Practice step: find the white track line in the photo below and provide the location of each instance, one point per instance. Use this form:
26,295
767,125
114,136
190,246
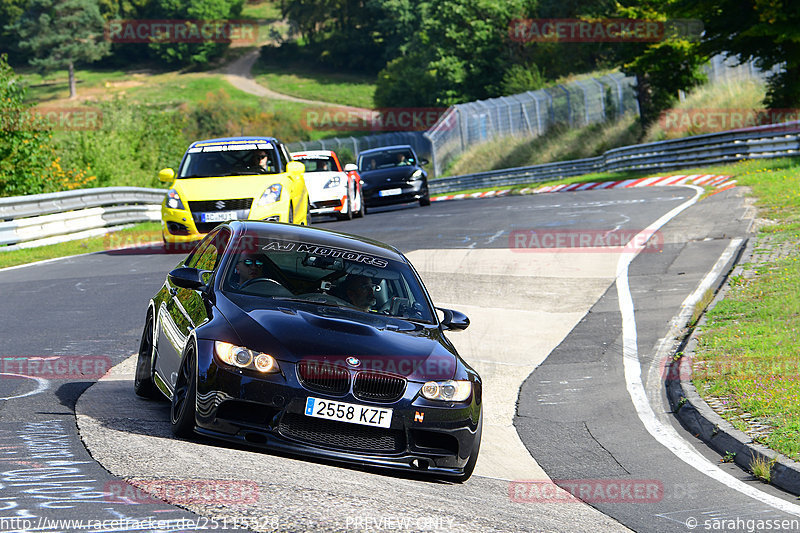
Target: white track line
664,433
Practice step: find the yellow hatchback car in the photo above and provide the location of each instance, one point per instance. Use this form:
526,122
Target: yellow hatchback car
236,178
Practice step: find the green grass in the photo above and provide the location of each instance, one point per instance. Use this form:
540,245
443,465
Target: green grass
559,144
747,354
261,10
139,233
303,82
726,95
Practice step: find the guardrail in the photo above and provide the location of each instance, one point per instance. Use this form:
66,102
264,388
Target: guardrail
763,142
40,219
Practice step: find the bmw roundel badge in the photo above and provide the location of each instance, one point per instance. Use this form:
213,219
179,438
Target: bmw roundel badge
352,361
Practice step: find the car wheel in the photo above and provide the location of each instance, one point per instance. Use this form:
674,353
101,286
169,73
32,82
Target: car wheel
290,217
184,397
425,200
473,458
346,215
143,384
362,210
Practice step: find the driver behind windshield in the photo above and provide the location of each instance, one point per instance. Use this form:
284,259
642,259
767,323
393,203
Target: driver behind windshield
249,267
357,290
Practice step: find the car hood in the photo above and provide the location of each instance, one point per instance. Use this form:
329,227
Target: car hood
375,178
225,187
334,335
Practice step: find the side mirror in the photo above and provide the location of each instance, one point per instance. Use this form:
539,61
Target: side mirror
349,167
454,320
167,175
423,162
187,277
295,167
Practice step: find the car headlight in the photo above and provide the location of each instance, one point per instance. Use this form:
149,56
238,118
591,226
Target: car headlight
333,182
174,200
271,195
447,391
417,175
244,358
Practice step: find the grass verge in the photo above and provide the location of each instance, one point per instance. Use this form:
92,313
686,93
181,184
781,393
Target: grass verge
82,246
747,355
302,82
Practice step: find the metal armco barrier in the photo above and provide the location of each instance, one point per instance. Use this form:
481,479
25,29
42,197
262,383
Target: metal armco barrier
763,142
40,219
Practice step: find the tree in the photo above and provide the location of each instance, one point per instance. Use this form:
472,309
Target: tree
461,53
197,53
661,68
60,33
765,31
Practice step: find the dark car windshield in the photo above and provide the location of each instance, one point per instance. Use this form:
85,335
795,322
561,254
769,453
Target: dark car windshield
287,271
388,159
229,160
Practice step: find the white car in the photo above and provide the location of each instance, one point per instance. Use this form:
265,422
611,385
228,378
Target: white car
331,189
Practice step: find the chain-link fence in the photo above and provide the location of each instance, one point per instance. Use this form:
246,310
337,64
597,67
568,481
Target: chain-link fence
729,68
530,114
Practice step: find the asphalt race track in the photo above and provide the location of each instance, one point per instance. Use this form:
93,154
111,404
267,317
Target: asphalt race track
565,340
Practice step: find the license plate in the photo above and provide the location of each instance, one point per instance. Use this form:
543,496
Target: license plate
221,216
349,412
390,192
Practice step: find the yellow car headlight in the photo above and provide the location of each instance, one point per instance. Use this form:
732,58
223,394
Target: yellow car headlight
271,195
174,200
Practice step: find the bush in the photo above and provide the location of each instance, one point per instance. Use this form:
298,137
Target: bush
133,143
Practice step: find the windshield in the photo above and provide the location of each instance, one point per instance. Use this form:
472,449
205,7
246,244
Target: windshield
229,160
281,270
388,159
318,164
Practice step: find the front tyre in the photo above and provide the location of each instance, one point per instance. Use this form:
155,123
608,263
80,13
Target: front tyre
143,384
425,201
182,411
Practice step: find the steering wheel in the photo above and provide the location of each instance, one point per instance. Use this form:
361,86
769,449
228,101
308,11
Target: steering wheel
260,280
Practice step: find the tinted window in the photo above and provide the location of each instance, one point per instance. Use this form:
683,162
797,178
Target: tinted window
239,162
387,159
275,269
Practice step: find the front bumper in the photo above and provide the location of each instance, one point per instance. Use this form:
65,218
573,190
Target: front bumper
410,191
184,226
268,412
330,202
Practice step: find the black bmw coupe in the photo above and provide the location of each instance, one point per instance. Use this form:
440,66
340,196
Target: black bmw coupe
312,342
